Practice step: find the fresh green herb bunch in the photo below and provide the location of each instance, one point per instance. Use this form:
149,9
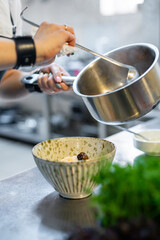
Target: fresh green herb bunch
129,192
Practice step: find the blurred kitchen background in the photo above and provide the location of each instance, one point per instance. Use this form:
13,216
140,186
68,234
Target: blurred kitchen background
101,25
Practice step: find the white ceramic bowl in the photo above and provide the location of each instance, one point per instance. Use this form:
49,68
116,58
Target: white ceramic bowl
72,179
151,147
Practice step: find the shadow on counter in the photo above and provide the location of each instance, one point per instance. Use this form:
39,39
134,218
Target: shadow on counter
64,214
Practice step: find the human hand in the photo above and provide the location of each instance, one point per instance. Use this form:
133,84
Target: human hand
48,82
49,40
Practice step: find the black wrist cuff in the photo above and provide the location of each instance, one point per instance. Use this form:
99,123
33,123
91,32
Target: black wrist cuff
31,83
2,74
32,88
26,52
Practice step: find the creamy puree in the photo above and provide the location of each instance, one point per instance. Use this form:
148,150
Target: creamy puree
81,156
69,159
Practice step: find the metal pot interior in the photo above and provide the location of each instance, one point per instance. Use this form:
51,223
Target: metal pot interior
99,77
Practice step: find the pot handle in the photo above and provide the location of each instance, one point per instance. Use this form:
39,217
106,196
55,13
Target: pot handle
68,80
31,81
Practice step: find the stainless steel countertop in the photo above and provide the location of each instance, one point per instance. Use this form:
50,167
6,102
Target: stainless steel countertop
31,209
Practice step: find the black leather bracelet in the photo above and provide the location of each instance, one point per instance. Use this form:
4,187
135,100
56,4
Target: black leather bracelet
2,74
26,52
31,83
32,88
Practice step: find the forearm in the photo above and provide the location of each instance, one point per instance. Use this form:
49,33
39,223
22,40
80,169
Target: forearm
8,53
23,51
11,86
8,56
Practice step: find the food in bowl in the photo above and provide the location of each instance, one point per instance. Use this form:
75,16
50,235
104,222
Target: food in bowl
81,156
69,159
152,145
72,179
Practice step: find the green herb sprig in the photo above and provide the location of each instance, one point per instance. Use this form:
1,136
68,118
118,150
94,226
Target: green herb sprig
128,192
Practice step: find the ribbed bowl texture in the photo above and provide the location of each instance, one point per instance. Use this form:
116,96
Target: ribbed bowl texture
72,180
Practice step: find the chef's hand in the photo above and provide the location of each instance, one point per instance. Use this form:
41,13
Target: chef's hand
50,76
49,40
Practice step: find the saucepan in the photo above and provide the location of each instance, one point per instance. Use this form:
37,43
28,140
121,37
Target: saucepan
115,102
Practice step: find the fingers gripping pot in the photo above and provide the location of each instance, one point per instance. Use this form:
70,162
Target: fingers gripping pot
115,102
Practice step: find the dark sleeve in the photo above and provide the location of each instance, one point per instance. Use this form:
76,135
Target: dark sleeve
1,74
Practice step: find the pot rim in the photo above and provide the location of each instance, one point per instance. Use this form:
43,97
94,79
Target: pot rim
149,45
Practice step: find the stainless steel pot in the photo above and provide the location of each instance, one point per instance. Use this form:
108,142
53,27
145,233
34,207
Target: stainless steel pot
113,102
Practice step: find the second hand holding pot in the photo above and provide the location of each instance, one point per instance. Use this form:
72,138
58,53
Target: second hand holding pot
110,101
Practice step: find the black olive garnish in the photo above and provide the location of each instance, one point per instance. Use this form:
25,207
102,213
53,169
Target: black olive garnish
82,156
